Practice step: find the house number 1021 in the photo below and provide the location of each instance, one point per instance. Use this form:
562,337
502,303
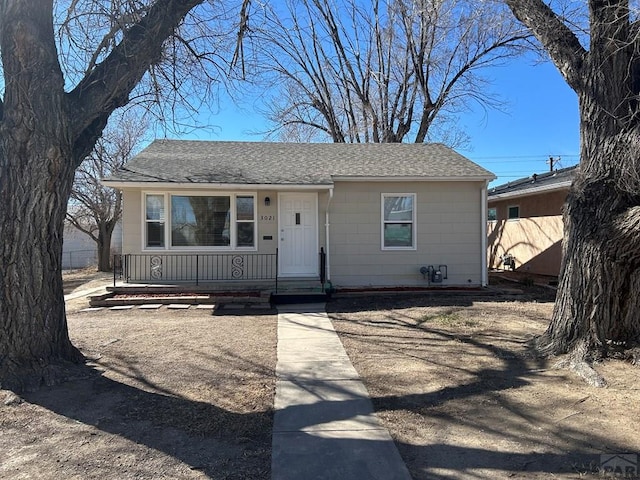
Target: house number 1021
267,218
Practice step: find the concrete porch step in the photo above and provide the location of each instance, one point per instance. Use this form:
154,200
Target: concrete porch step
301,285
290,290
119,299
302,290
292,297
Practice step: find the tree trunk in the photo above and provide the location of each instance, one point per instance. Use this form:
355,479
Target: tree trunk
34,342
597,310
36,174
45,133
104,247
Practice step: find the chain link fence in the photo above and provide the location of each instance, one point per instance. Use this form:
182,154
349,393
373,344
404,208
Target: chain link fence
77,259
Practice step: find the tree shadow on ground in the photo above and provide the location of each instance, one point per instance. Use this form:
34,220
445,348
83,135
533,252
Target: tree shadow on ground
195,432
437,461
200,434
311,451
555,449
476,399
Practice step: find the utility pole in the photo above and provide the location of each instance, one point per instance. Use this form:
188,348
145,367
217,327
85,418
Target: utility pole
552,162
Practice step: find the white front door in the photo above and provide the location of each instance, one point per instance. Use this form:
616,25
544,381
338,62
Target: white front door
298,239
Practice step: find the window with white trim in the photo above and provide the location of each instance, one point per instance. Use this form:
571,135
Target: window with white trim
154,221
492,214
225,221
245,220
398,221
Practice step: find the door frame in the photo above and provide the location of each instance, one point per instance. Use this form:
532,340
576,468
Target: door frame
316,240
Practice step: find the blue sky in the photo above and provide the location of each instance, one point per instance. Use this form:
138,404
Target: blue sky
540,119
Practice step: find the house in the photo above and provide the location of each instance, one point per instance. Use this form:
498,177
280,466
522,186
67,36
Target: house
525,222
357,215
79,250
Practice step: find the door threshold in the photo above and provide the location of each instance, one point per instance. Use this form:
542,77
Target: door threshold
294,278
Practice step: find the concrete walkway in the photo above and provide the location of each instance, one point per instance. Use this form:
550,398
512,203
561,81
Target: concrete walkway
85,292
324,426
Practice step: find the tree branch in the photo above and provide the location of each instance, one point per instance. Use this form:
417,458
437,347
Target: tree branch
109,84
87,230
556,37
238,55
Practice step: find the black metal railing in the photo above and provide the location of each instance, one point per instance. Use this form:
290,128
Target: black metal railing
118,268
323,267
195,268
202,267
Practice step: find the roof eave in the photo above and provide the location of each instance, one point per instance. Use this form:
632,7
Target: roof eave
530,191
414,178
119,184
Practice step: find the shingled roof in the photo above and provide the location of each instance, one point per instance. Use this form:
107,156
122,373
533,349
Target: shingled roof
255,163
536,183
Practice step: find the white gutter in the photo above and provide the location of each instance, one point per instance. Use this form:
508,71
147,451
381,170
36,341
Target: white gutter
483,228
326,236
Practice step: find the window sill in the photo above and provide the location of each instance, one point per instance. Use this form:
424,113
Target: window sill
198,250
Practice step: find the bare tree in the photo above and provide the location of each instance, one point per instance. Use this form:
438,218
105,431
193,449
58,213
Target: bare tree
66,66
597,311
93,208
379,71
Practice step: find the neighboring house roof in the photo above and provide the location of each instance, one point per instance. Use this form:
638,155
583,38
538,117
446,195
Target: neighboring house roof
258,163
536,183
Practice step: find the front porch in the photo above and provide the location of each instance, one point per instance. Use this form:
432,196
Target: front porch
215,278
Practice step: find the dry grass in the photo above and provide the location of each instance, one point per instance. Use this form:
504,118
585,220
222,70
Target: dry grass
188,395
166,395
455,383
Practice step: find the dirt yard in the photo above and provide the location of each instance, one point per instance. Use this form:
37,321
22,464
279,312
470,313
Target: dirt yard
188,395
168,394
453,380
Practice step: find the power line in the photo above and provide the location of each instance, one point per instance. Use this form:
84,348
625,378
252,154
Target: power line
514,157
569,158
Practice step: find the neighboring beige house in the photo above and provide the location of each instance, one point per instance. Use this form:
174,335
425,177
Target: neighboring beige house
525,222
383,215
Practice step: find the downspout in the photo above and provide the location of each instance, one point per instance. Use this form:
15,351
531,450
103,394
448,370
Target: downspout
483,228
326,234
